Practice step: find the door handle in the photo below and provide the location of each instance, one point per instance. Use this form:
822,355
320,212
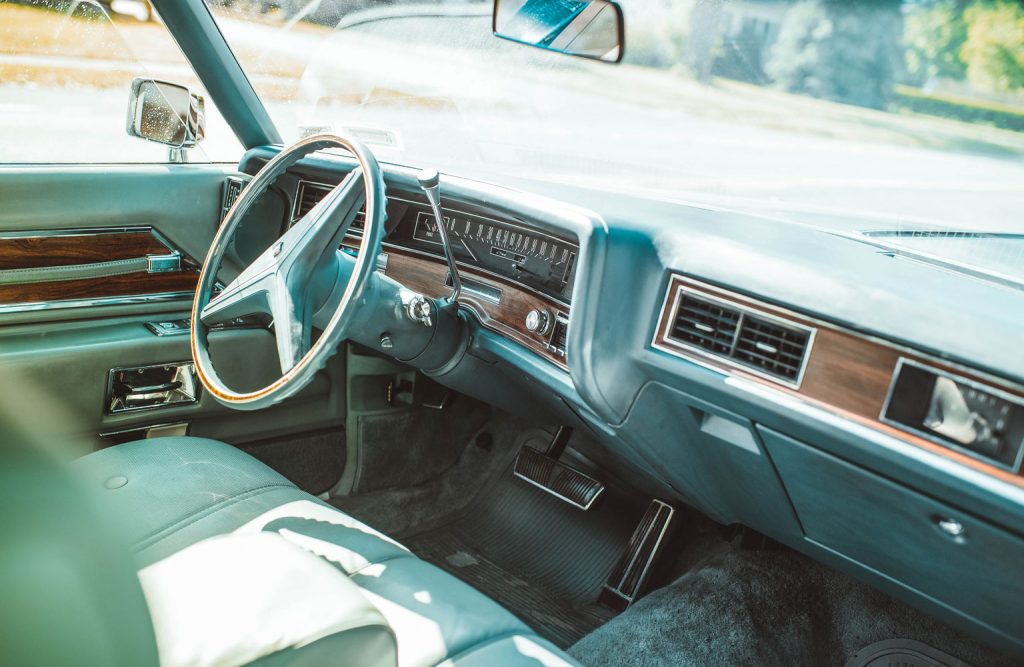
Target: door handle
129,390
151,387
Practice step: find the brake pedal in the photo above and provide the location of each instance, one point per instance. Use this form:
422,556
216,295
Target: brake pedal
629,577
558,479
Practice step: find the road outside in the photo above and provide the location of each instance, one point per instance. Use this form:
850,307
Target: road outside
447,93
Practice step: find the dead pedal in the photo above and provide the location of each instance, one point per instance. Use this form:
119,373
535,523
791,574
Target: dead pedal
558,479
628,578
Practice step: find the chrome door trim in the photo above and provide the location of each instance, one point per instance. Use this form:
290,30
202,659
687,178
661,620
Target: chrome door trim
34,306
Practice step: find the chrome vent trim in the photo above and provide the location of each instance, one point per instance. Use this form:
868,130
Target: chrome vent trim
309,193
229,195
736,335
704,323
774,348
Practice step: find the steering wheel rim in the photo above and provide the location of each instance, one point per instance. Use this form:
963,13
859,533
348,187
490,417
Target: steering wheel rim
285,254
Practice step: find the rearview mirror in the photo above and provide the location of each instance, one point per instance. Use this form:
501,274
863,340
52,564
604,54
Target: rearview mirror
166,113
587,28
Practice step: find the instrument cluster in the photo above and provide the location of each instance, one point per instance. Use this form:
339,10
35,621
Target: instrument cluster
528,256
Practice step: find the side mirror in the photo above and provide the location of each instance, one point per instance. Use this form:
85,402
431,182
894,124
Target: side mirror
166,113
587,28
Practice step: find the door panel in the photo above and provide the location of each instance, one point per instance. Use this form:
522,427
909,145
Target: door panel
59,339
179,203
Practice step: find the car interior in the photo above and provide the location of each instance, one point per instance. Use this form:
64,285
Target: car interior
318,407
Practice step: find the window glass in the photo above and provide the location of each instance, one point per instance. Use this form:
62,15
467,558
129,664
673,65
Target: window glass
890,114
65,74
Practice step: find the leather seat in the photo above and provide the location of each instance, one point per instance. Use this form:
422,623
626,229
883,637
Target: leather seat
170,496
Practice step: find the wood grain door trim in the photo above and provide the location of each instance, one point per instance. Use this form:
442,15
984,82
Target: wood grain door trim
56,248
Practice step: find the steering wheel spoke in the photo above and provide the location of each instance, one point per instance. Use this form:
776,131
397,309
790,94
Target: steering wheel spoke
292,322
246,295
324,225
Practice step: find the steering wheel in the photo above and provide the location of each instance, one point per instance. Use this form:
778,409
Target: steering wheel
301,275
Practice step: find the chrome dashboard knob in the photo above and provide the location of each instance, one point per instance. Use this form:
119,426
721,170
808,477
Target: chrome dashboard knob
418,309
539,321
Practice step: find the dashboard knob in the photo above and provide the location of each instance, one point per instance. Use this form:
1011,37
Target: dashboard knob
419,310
539,321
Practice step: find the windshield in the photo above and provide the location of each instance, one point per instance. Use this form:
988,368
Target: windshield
899,115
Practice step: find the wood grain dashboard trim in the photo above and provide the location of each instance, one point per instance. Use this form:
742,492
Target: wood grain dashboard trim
427,275
64,248
846,372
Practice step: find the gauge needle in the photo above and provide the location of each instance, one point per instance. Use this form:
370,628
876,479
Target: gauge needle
466,246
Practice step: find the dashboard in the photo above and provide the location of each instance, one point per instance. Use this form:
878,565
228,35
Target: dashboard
516,278
864,408
955,411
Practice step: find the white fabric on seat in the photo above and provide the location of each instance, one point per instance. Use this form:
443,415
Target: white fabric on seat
349,559
231,599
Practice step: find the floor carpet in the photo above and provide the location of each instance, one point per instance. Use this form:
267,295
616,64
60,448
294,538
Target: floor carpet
742,607
540,557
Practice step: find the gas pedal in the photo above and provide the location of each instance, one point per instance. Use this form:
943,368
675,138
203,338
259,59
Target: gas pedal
558,479
627,580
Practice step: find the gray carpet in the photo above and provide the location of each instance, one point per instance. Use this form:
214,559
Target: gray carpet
541,558
411,510
561,620
741,607
407,448
311,461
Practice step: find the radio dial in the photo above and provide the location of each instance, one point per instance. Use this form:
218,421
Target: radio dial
539,321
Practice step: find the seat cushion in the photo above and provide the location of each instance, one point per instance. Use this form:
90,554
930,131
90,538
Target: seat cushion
232,599
169,493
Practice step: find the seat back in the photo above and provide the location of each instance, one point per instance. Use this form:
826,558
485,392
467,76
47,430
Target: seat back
69,594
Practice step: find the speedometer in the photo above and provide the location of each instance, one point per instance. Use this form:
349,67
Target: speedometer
532,257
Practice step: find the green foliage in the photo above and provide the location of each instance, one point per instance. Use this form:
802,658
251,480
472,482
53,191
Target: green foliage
994,48
934,36
969,111
981,40
839,50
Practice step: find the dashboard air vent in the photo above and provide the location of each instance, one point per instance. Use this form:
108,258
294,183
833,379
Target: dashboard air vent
559,335
232,188
739,335
309,195
705,324
771,347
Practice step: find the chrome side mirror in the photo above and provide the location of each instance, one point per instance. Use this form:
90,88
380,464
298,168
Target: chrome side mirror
166,113
587,28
